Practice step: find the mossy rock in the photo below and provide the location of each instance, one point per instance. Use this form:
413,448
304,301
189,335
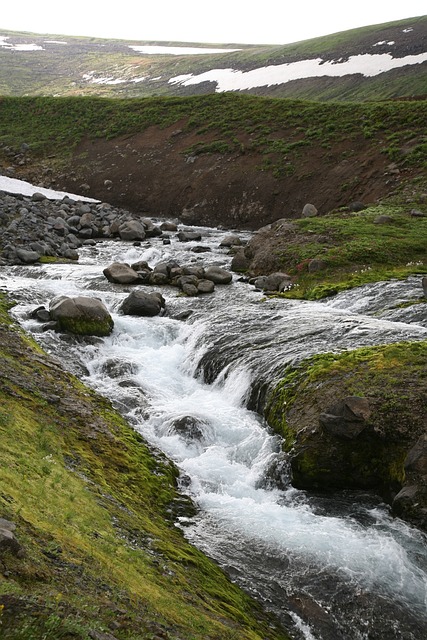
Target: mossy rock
392,379
81,315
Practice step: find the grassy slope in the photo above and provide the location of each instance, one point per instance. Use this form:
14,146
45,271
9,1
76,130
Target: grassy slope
58,73
355,250
57,124
92,507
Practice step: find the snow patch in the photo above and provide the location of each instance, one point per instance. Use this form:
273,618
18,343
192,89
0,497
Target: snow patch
13,185
55,42
90,77
19,47
235,80
382,42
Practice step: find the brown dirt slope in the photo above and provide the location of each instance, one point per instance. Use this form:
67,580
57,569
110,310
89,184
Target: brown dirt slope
153,172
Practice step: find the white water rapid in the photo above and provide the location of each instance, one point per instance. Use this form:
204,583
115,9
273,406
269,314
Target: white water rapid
329,567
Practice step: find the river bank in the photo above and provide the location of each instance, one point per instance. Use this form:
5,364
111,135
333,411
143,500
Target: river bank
96,553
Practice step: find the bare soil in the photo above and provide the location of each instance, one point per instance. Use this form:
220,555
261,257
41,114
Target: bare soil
153,173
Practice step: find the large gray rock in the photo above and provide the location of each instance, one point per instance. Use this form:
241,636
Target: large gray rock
8,541
205,286
151,230
121,273
230,241
158,278
81,315
132,230
277,281
240,261
424,285
218,275
190,290
140,303
26,256
168,226
188,236
189,427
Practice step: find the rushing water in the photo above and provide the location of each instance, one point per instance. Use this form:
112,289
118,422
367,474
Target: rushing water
330,568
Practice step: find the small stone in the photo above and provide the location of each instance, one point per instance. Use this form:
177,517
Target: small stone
383,220
38,197
309,211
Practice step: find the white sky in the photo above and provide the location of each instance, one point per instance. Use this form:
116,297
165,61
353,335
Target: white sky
218,21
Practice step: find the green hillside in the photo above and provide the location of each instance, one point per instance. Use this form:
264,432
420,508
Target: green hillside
93,66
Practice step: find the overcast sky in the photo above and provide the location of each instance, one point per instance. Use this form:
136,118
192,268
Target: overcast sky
218,21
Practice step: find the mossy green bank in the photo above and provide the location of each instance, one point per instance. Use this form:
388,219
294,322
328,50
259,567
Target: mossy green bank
94,510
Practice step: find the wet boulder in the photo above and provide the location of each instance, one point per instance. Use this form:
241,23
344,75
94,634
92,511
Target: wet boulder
201,248
121,273
168,226
218,275
141,265
240,261
194,270
230,241
189,236
141,303
424,285
189,427
41,314
190,289
205,286
277,281
151,230
132,230
81,315
158,278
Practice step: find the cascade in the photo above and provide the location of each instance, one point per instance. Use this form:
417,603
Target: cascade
330,567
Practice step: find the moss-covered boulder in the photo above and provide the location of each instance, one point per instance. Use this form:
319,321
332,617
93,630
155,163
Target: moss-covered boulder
358,420
81,315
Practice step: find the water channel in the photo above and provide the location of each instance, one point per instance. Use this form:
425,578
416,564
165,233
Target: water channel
329,567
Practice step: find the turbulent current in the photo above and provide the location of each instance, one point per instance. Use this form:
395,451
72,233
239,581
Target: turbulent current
328,567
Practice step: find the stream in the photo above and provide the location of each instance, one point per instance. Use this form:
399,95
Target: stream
329,567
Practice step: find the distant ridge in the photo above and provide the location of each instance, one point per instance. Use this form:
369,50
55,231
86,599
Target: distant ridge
377,62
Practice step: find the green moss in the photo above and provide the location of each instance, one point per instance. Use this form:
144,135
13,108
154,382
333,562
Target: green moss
86,326
54,260
353,250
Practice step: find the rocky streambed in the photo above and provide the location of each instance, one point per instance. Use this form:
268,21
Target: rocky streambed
185,376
